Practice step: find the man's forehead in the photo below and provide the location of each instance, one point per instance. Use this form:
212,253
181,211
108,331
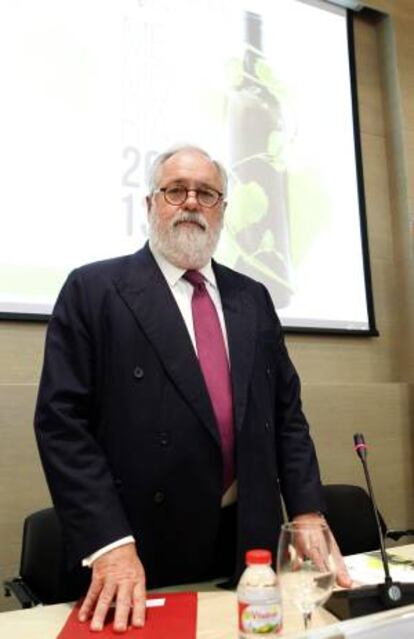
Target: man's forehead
190,165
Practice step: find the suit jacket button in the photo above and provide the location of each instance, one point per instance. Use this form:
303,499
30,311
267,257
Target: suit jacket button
164,439
138,372
159,497
267,426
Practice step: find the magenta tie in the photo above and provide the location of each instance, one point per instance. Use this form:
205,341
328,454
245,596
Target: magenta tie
215,366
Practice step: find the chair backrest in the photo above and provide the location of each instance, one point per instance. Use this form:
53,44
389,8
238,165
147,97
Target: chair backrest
43,565
351,518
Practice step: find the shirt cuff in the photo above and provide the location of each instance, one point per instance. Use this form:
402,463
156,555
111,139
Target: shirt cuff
88,561
230,496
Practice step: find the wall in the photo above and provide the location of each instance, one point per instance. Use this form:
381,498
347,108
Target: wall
366,385
349,384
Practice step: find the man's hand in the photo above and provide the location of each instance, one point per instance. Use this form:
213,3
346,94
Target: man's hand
117,576
342,576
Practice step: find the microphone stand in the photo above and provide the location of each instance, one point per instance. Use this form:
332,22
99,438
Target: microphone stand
365,600
362,452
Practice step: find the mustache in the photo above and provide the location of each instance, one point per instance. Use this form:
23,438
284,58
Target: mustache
195,218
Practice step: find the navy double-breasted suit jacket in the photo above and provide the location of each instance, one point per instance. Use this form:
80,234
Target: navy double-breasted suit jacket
127,434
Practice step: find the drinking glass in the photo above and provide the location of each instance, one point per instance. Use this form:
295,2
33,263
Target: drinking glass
305,566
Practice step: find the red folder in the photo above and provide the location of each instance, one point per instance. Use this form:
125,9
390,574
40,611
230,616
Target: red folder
176,619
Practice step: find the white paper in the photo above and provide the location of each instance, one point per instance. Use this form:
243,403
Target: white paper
155,603
367,568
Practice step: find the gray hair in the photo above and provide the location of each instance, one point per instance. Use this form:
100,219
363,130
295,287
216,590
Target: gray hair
153,171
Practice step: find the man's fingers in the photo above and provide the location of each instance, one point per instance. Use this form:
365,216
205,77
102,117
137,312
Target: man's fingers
123,606
319,558
129,598
343,579
138,605
89,601
104,603
342,575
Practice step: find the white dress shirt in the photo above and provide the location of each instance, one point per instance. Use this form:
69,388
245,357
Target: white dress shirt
182,292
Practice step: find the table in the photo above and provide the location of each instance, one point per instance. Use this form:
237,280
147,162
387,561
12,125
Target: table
216,616
216,619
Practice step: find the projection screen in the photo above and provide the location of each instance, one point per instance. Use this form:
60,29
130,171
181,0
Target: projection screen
94,89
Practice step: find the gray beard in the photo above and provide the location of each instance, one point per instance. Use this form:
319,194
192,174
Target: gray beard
185,247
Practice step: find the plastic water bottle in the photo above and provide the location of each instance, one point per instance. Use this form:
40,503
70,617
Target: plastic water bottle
260,608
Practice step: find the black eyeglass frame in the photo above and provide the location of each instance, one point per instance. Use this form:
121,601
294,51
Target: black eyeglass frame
187,191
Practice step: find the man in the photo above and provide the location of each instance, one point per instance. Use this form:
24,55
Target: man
163,394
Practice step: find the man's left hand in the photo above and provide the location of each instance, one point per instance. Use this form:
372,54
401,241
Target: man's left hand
342,576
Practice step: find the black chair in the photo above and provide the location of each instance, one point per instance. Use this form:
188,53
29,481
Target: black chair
351,519
44,577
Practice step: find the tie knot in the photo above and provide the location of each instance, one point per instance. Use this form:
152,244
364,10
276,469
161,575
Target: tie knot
195,278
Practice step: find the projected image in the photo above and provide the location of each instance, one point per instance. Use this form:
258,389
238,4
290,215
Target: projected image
258,218
249,81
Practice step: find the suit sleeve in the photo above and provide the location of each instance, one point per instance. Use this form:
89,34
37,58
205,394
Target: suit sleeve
296,457
75,465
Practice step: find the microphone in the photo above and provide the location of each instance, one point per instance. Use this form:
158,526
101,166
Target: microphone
365,600
362,451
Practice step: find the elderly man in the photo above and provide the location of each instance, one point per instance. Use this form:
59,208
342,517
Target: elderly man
169,418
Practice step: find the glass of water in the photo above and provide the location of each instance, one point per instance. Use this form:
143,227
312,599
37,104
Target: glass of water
306,566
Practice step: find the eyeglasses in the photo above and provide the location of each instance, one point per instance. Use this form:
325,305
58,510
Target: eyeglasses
177,195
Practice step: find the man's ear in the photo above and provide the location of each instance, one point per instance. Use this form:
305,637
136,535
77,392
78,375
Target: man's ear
148,201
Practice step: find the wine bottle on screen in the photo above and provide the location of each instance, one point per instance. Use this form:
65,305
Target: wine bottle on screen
256,133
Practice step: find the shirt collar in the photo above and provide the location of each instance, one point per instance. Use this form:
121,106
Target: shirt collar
173,274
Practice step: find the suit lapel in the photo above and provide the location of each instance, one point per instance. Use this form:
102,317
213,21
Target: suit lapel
147,294
240,317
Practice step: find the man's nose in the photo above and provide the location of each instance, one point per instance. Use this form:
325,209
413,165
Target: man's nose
191,201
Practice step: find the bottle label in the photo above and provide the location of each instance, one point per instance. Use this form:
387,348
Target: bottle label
259,618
